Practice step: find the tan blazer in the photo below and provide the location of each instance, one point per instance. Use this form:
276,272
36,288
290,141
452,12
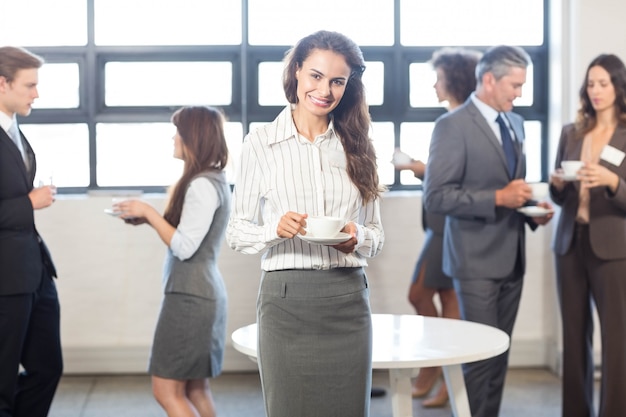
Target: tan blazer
607,212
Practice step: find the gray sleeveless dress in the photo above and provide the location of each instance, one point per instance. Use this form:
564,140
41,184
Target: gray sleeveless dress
191,329
431,257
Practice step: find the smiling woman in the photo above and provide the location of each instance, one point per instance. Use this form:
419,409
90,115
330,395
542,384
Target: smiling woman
322,164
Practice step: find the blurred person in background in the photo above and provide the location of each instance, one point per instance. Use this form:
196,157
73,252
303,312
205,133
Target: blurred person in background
188,346
590,241
456,80
29,303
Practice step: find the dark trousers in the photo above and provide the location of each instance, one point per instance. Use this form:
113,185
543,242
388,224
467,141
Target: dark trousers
30,336
493,302
581,277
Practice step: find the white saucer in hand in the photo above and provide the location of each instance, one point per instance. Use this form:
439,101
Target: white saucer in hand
534,211
339,238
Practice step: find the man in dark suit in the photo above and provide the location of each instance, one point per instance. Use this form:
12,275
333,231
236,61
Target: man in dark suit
475,176
29,305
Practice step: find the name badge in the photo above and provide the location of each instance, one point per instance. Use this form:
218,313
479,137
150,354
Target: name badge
612,155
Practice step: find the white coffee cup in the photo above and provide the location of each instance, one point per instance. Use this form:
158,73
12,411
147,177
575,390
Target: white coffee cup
324,226
539,190
570,168
401,158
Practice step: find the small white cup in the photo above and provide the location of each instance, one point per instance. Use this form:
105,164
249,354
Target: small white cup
570,168
539,190
117,200
401,158
324,226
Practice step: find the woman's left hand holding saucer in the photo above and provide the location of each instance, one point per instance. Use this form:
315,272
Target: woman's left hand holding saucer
132,211
349,245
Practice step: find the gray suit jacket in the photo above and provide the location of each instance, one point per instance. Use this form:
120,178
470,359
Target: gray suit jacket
607,213
465,167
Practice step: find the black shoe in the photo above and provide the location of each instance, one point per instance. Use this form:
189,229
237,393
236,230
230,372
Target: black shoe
378,392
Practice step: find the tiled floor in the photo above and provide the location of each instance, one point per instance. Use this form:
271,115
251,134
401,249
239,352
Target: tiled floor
529,392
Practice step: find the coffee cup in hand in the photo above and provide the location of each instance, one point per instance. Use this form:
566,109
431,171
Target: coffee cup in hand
401,158
570,167
324,226
539,190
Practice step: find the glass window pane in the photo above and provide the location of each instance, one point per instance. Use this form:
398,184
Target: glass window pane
477,22
374,82
527,90
58,87
422,78
366,22
234,141
136,154
383,137
164,22
532,147
141,154
271,91
415,141
44,23
161,83
62,152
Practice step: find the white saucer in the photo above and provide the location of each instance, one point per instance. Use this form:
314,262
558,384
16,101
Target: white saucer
567,177
341,237
534,211
112,212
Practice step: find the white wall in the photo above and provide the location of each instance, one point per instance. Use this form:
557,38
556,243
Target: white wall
110,273
110,282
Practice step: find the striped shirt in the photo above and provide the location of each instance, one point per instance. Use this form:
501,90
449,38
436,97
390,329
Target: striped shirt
279,172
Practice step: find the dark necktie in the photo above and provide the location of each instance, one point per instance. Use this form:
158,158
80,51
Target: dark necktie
507,145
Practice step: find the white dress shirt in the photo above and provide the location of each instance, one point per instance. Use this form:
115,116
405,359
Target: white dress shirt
279,172
490,114
7,123
201,201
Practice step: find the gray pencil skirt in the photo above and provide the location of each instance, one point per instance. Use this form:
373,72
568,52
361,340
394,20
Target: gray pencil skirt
189,338
315,343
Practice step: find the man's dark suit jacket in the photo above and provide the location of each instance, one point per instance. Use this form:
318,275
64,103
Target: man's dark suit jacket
23,254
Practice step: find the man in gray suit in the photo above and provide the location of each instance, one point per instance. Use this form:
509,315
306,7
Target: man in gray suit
475,176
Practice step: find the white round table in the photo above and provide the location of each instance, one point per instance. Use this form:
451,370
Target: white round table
405,343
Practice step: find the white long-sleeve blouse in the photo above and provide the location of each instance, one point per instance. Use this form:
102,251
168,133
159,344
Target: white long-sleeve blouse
281,171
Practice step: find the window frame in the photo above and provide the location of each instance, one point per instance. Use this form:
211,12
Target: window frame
244,108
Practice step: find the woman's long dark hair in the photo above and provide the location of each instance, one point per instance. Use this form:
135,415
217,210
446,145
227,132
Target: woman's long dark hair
201,129
586,118
351,117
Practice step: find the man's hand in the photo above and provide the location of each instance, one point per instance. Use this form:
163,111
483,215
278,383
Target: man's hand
541,220
42,197
514,195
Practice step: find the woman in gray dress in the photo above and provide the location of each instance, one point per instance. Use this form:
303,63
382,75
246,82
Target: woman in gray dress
189,339
455,81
